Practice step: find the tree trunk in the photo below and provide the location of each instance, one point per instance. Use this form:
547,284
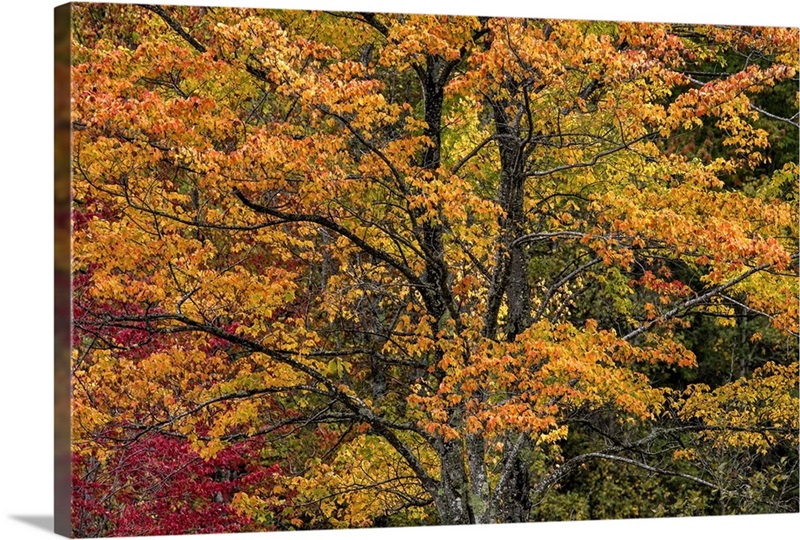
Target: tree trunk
514,501
452,499
479,493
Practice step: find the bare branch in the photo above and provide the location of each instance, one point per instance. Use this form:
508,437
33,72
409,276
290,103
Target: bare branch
472,153
791,121
592,161
693,302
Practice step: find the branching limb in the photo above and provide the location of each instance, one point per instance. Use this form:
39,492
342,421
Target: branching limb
683,307
592,161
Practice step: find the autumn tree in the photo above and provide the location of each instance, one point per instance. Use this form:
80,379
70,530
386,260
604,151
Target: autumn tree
432,268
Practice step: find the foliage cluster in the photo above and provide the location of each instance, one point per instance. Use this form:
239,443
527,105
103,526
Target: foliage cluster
355,269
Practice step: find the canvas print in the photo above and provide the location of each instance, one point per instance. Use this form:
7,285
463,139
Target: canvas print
346,269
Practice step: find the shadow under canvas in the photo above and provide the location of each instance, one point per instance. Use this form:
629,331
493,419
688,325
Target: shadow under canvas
40,521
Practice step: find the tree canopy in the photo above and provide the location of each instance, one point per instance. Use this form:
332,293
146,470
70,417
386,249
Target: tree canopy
356,269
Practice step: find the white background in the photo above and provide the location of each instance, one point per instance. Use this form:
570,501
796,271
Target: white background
26,313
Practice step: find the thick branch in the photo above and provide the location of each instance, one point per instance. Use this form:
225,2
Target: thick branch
175,25
338,229
199,47
364,142
381,425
